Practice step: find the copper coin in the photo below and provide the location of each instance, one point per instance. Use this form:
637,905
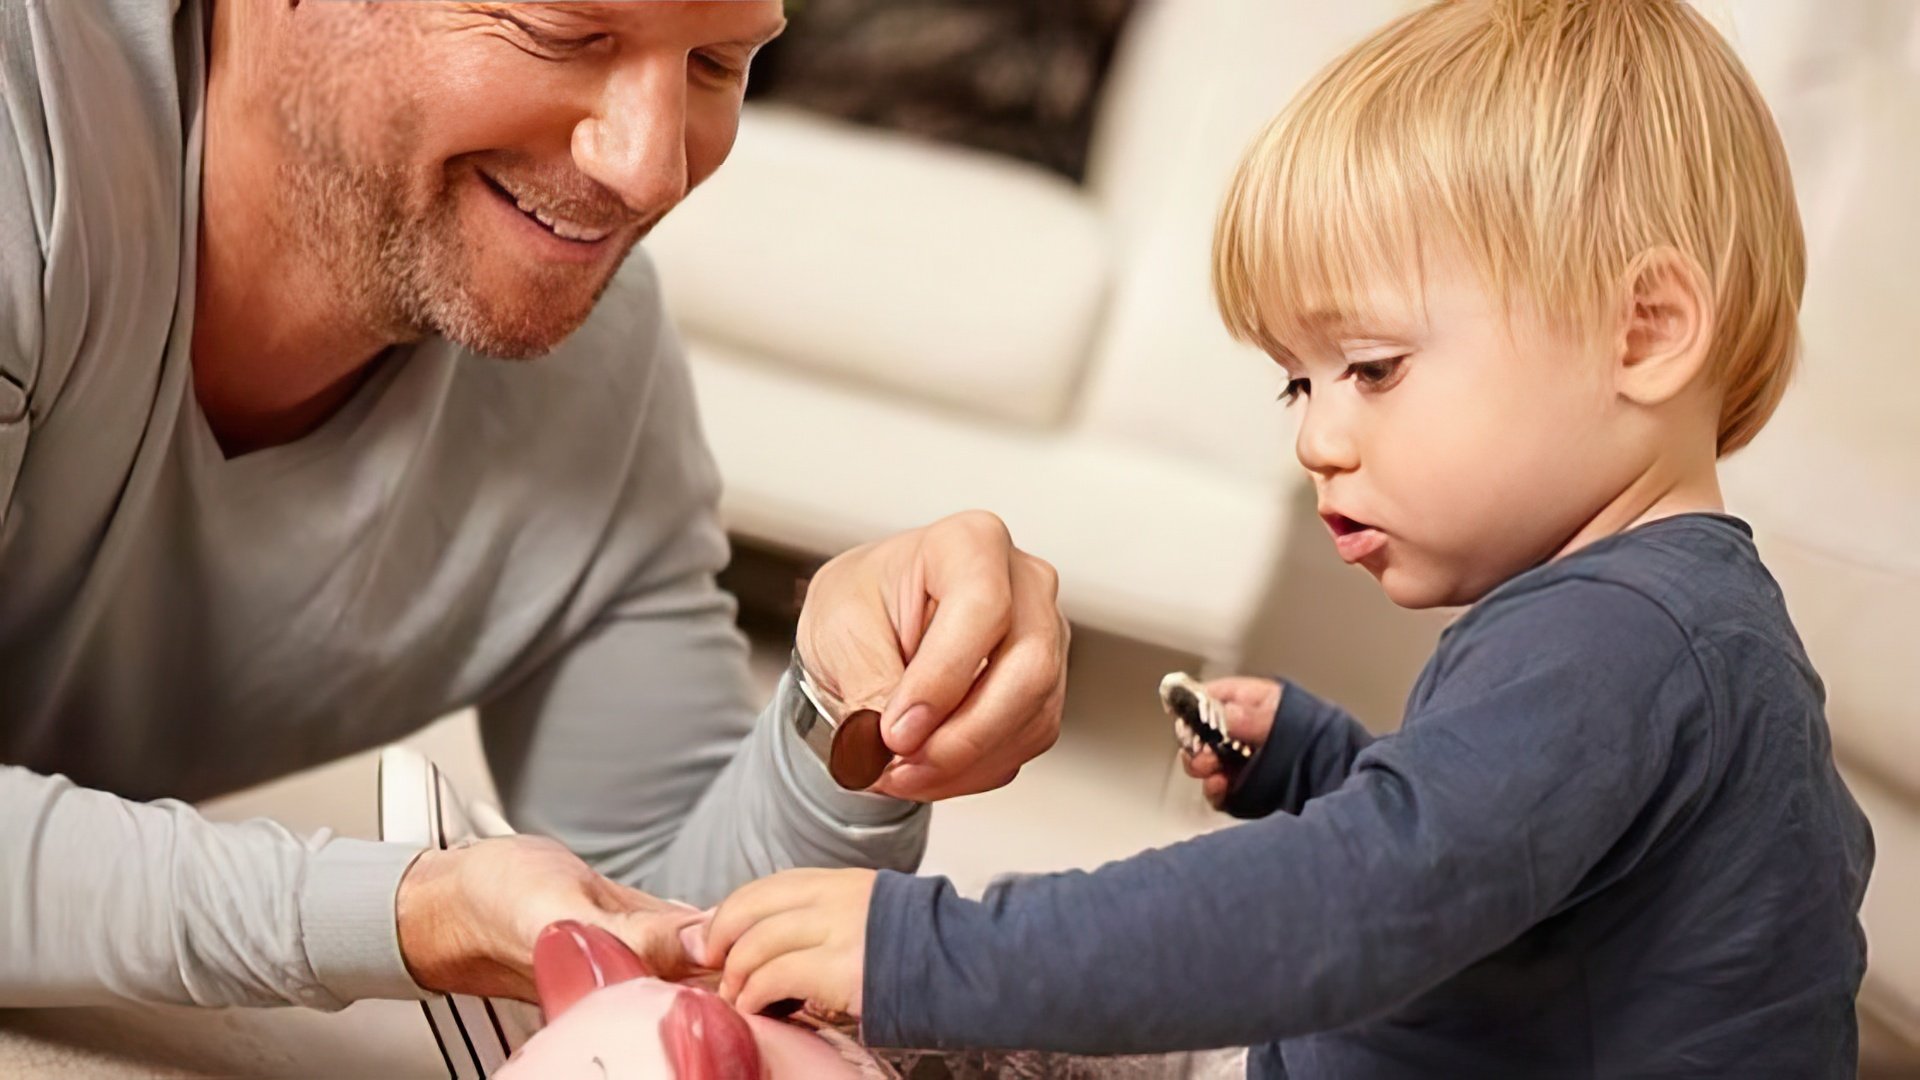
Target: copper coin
860,755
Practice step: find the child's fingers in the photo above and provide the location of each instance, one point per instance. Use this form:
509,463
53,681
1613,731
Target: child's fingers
1243,688
1249,705
1215,789
1249,723
789,975
749,904
1201,765
766,941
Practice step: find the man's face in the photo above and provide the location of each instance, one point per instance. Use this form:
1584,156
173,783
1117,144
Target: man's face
480,170
1454,443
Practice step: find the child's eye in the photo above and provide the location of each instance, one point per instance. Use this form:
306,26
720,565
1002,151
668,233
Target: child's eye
1377,374
1295,390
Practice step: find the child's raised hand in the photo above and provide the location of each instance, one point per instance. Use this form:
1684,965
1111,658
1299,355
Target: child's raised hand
800,934
1250,703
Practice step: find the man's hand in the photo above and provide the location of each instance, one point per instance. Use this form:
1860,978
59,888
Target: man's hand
801,934
956,636
468,917
1250,704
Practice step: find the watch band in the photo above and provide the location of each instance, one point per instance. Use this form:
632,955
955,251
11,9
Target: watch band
847,742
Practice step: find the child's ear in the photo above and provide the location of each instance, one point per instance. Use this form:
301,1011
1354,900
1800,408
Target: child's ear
1668,328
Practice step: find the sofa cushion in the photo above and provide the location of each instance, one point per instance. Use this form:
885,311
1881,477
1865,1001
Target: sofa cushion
815,467
946,274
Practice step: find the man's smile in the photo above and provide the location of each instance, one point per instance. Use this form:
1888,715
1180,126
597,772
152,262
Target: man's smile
534,209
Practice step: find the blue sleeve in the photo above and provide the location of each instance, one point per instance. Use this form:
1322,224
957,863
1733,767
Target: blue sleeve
1309,752
1550,731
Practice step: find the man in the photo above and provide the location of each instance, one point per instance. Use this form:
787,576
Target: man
268,502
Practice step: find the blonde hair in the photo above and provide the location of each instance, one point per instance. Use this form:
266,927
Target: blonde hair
1556,143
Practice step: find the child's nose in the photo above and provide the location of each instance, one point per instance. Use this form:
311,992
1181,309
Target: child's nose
1325,444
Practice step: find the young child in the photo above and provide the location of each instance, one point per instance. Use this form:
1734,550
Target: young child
1532,267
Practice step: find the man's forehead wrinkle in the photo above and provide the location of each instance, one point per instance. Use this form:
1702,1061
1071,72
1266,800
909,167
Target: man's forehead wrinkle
589,10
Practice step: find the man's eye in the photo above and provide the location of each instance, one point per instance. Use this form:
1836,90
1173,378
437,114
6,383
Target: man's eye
551,45
713,67
1295,390
1377,374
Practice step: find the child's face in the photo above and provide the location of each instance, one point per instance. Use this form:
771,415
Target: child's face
1453,443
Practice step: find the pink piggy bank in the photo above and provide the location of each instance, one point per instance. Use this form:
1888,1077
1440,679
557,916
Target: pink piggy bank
608,1017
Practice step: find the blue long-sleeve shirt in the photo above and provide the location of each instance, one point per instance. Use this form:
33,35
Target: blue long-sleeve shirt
1608,840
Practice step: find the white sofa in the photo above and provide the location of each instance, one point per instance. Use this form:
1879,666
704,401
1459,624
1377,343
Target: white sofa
887,330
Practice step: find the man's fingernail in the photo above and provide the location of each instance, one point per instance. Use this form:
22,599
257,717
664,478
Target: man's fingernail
905,778
693,939
911,726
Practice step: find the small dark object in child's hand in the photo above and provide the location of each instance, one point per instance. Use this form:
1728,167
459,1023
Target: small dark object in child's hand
1200,722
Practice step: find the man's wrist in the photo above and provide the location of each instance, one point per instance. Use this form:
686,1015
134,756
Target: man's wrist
845,740
806,774
349,922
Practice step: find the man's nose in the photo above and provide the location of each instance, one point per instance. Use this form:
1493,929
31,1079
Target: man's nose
635,143
1325,443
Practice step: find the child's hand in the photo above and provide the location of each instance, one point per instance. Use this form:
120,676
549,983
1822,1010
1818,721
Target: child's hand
1250,704
800,934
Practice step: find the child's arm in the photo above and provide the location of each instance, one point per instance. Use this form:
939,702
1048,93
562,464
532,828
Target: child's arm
1303,747
1554,753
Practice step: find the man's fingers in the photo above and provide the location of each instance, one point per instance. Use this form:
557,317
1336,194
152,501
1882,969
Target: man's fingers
972,752
772,937
1013,711
655,938
967,569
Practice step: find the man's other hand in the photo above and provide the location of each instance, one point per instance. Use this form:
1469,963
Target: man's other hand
468,917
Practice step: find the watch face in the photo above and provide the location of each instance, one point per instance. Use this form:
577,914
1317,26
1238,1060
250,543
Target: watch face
859,754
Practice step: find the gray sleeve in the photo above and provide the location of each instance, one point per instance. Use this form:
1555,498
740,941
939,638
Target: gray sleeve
637,746
104,899
20,259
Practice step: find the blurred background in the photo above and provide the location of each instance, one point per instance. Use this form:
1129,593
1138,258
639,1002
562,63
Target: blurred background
960,259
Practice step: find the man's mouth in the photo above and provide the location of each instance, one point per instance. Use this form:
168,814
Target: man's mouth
1354,540
562,227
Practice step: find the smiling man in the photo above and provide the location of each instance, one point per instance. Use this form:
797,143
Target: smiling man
281,479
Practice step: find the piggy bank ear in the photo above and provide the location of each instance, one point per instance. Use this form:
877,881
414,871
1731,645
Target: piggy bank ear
572,960
706,1039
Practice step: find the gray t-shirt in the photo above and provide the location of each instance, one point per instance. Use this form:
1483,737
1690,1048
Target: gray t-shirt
537,539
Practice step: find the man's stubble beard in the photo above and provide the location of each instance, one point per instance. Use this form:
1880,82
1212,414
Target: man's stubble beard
394,255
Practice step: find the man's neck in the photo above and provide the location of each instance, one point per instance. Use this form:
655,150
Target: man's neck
274,353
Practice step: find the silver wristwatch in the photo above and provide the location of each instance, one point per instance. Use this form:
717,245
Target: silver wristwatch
847,741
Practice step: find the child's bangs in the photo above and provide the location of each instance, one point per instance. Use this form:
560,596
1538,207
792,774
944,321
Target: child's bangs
1319,230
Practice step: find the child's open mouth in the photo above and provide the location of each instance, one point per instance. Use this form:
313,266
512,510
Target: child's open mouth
1354,540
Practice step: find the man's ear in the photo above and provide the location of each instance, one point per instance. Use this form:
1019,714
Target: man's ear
1667,330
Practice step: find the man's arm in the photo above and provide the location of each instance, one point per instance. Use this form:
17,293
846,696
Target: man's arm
1539,759
100,898
103,899
638,746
